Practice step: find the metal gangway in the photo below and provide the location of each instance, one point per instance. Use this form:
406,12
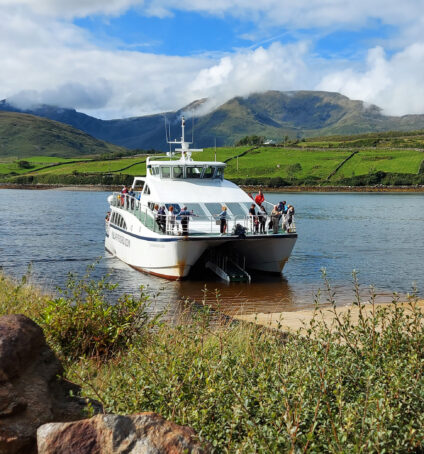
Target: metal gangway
230,267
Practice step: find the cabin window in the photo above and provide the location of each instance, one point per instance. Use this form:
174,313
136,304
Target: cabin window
219,172
112,218
155,170
178,172
236,209
165,172
194,172
208,172
199,213
176,206
146,190
214,208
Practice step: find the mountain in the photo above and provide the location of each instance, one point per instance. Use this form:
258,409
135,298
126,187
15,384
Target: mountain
272,114
23,135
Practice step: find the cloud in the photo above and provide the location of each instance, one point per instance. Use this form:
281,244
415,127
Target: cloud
395,83
45,58
92,96
72,8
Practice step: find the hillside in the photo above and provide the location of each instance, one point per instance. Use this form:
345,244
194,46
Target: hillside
272,114
23,135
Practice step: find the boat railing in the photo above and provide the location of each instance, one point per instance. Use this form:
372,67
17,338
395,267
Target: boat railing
197,225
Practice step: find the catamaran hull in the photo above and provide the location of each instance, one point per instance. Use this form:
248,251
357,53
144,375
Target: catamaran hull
173,258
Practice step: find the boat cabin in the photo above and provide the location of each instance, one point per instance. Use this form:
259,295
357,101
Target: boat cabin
179,170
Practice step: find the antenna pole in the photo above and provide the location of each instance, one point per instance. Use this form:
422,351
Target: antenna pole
215,149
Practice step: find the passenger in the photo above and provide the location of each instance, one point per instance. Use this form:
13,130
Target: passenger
124,193
288,219
262,215
259,199
254,218
282,207
161,219
185,217
107,216
131,196
223,219
170,221
275,218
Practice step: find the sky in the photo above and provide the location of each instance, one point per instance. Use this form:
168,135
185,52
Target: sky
123,58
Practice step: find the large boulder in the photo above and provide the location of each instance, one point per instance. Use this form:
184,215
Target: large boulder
144,433
32,390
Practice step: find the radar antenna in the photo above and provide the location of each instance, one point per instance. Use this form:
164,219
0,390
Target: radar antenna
185,146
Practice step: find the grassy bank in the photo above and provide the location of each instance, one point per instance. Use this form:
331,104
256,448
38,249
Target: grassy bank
356,388
357,161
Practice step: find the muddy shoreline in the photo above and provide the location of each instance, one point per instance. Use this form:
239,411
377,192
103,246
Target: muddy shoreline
94,187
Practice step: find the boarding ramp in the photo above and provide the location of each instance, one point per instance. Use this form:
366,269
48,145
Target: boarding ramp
229,266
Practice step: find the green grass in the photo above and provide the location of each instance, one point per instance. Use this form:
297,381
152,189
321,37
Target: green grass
23,135
291,162
353,387
371,161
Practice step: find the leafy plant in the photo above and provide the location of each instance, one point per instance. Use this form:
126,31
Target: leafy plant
84,322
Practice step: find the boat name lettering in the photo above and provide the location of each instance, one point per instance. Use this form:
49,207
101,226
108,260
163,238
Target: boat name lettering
121,239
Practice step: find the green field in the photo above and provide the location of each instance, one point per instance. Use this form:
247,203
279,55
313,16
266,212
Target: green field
286,163
246,165
371,161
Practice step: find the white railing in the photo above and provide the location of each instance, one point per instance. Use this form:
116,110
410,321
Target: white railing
204,225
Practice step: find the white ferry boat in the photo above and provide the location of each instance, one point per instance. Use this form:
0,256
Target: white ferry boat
154,244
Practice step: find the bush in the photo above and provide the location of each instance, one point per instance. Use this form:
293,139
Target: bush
83,322
354,387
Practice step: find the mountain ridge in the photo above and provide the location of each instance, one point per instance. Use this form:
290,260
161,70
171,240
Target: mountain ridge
272,114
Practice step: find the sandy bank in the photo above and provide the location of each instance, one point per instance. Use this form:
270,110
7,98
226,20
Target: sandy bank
292,321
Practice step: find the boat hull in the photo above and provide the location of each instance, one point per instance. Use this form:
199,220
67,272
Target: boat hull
174,257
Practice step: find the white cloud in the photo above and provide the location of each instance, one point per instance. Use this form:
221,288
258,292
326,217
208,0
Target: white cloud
395,83
72,8
47,59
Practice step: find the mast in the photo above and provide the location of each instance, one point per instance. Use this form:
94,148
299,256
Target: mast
185,146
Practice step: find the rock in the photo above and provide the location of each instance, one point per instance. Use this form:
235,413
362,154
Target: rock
32,390
144,433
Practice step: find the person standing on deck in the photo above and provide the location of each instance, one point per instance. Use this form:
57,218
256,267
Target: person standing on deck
223,219
259,199
275,218
185,217
254,218
170,220
262,215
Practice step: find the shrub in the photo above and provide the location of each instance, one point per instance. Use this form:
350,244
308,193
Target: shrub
83,322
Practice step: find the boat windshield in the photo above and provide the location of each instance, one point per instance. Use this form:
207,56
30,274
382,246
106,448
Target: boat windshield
199,213
176,206
194,172
236,209
214,208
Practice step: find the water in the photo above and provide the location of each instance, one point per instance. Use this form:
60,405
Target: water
379,235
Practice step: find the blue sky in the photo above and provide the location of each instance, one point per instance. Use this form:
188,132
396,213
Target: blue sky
133,57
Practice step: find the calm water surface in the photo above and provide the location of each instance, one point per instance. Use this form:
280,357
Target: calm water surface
379,235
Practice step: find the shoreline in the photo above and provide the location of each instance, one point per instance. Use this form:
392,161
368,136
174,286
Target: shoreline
298,320
112,188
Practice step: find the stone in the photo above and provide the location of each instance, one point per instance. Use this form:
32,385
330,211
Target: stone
143,433
32,390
